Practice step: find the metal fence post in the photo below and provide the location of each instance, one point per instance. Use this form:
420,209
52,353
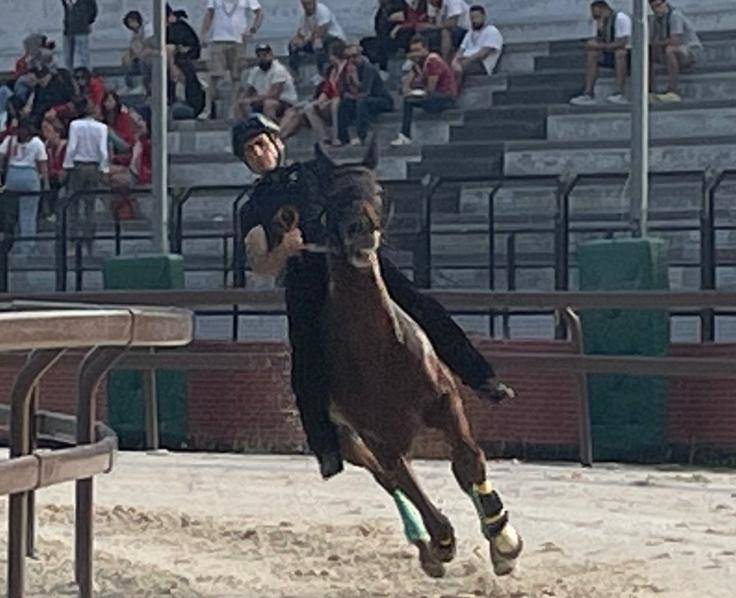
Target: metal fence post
711,181
565,184
492,252
585,435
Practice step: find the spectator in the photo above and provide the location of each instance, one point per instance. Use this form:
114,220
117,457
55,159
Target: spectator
52,133
16,110
87,158
609,49
318,29
38,52
52,89
121,127
27,172
364,96
136,173
430,85
378,49
480,49
5,94
137,58
269,87
78,18
413,19
182,44
675,44
450,21
90,86
227,22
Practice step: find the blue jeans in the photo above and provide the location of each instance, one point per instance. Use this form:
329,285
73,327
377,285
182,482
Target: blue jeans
76,51
433,103
25,179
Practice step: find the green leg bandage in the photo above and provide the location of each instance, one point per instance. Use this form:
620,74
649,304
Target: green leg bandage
413,524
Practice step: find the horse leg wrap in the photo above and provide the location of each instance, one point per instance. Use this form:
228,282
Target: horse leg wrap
414,528
493,516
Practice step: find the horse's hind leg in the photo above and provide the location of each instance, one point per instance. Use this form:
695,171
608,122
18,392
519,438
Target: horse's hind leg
355,451
469,467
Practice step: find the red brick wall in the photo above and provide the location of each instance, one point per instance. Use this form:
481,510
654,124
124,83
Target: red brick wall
252,408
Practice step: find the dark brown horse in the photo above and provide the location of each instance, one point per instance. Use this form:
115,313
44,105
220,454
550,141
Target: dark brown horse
387,382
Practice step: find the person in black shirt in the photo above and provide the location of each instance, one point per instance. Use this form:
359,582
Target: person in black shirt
257,143
52,89
364,95
183,48
382,46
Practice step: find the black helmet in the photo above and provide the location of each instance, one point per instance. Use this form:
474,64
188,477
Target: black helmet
249,128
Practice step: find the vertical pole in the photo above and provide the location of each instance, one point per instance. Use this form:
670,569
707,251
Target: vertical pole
149,384
639,187
159,116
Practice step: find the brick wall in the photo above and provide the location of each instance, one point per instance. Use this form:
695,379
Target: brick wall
252,408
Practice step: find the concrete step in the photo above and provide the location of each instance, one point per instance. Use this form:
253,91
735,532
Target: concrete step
554,158
536,95
498,131
701,87
672,123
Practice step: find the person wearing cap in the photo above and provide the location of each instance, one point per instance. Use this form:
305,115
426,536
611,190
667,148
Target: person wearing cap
226,29
270,249
268,87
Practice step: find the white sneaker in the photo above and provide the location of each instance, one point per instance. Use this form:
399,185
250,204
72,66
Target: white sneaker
385,76
401,139
355,141
669,98
583,100
617,98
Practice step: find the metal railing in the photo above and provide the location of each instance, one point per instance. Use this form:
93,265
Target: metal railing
47,331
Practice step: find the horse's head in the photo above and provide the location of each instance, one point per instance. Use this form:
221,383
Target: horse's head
354,207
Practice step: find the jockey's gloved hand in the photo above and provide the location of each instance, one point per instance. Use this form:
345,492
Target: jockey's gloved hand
494,391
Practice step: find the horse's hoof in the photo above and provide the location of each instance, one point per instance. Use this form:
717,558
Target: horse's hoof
445,550
504,563
431,565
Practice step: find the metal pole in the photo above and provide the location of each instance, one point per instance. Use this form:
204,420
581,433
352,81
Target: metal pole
159,117
639,187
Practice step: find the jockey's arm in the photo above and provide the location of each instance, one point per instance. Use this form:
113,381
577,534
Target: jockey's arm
270,263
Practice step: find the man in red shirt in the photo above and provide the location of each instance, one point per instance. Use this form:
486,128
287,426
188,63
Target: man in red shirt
429,85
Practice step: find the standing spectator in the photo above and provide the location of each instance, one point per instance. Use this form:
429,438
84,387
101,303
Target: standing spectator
318,29
78,18
450,21
364,96
609,49
121,128
675,44
87,158
137,58
429,85
227,22
378,49
52,133
480,49
27,171
90,86
268,87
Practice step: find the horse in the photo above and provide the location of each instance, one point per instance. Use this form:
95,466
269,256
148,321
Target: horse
387,383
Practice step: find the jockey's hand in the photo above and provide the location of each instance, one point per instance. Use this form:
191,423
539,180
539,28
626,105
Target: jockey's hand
292,243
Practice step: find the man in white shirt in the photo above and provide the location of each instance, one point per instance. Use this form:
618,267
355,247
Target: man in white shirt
450,21
318,28
609,49
87,158
480,49
268,88
226,28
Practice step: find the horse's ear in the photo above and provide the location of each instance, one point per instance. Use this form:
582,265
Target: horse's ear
370,159
322,156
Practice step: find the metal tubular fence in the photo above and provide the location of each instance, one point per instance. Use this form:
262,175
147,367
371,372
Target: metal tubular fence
47,331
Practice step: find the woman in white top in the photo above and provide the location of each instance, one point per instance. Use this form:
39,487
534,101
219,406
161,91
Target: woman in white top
27,170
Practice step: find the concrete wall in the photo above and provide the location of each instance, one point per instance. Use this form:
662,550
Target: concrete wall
520,20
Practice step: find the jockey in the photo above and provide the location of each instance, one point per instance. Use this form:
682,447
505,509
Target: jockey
257,143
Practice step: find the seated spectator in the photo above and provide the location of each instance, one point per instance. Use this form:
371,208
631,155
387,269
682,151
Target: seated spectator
378,49
450,21
121,127
182,44
480,49
38,53
87,160
268,88
609,49
52,134
674,43
52,89
430,85
318,29
27,172
90,86
364,95
137,59
413,19
321,112
226,27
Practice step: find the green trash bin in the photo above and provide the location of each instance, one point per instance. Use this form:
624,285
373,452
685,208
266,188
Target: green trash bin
125,388
628,413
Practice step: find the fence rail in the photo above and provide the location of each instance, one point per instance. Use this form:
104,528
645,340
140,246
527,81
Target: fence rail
47,332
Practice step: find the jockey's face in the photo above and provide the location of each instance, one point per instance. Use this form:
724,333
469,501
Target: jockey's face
262,153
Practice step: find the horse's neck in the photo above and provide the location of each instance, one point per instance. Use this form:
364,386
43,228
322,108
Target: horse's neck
361,292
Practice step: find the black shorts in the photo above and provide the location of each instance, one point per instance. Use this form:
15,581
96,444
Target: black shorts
608,60
434,37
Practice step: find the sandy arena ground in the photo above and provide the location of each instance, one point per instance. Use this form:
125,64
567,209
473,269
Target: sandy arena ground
262,526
